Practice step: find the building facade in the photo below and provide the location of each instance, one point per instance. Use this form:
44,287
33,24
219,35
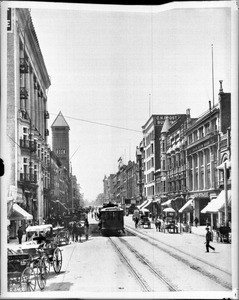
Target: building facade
27,116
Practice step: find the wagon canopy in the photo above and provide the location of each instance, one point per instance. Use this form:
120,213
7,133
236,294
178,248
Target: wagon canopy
169,209
39,228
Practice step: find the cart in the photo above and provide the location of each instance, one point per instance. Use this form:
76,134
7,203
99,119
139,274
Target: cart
21,276
46,241
62,235
32,255
223,234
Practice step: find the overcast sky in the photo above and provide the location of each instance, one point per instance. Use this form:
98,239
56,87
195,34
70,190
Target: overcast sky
116,66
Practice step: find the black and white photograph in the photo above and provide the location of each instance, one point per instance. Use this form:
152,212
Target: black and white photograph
119,150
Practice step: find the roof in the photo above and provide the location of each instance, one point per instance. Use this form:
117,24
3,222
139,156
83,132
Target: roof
166,125
60,121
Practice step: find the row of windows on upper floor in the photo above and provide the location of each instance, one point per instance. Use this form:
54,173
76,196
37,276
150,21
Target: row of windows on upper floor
42,153
202,131
150,137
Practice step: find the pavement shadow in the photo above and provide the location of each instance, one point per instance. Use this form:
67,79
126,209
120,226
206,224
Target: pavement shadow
59,286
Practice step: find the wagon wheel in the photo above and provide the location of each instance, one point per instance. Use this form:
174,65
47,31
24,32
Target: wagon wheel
41,274
57,260
47,264
28,280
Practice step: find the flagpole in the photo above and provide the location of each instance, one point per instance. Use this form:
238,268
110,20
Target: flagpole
212,77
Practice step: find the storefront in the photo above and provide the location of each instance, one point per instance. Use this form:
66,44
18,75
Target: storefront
18,216
216,209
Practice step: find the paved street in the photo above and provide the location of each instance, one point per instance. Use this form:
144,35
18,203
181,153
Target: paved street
95,266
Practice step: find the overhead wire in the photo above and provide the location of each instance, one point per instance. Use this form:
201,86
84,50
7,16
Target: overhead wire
88,121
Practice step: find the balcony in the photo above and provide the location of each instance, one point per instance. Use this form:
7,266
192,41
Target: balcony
23,93
28,178
24,67
28,145
46,115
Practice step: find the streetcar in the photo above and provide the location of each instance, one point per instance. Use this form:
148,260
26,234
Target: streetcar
111,220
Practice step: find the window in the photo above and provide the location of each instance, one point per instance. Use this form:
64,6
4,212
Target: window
190,139
195,136
207,128
200,131
164,165
163,146
214,125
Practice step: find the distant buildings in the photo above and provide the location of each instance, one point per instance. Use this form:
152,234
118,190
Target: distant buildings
180,163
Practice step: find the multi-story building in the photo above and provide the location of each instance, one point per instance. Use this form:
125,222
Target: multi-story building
152,153
219,208
109,188
140,173
27,117
171,177
131,184
203,158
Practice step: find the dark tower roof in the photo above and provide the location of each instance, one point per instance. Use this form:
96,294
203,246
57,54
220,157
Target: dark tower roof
60,121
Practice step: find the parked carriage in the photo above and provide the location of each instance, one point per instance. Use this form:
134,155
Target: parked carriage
21,276
169,222
111,220
47,241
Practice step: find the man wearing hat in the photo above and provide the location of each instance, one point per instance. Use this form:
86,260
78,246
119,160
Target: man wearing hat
208,240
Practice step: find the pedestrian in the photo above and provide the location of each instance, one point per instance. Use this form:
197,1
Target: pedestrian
196,221
208,240
79,229
86,229
157,224
136,221
74,232
20,234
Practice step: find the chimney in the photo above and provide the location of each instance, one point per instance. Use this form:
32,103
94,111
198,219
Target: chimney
221,89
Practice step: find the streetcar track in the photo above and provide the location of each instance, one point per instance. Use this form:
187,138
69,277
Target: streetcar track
179,250
137,276
181,259
157,273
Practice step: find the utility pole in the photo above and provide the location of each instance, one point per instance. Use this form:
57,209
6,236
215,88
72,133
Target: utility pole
226,194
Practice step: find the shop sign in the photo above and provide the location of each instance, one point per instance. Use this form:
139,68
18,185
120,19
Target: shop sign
159,119
9,20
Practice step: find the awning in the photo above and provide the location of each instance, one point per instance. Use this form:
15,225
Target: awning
143,204
217,204
147,204
188,206
167,203
19,213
